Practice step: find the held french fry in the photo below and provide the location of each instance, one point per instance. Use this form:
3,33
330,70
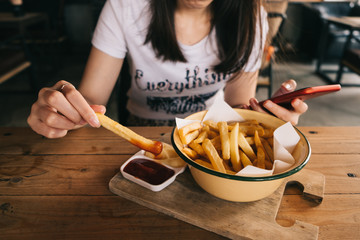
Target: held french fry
225,142
167,156
214,157
234,148
152,146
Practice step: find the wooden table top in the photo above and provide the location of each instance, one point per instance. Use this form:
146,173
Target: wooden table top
58,188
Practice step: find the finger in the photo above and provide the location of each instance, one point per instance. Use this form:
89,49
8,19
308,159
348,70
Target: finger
299,106
42,129
59,103
60,85
254,105
54,119
81,105
286,87
277,110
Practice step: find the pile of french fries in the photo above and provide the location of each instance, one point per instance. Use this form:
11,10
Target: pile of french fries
228,147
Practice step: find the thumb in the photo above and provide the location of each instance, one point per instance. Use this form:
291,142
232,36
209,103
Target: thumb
286,87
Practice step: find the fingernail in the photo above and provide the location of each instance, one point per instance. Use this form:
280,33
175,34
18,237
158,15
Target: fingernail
296,102
94,121
254,100
288,86
267,104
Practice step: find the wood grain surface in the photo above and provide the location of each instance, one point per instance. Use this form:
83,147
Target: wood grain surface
58,188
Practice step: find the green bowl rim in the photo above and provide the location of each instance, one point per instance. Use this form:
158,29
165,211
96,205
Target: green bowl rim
242,178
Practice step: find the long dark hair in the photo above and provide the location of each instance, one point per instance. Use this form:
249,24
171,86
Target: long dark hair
235,24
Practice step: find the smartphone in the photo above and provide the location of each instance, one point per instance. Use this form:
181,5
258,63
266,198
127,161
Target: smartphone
303,94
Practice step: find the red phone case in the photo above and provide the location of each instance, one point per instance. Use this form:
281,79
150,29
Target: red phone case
304,94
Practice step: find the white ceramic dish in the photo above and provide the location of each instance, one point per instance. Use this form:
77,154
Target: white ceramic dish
153,187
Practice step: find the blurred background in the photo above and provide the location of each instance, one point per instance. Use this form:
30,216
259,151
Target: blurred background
43,41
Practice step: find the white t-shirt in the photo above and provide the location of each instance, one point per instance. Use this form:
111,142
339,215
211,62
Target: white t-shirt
162,89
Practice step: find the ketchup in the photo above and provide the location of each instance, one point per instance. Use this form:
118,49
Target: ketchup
148,171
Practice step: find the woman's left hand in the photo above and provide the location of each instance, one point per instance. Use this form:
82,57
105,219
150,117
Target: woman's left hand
299,107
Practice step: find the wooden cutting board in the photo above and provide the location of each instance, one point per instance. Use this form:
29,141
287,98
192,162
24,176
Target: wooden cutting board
186,201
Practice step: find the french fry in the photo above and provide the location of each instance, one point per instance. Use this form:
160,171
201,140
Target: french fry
216,141
190,153
268,132
260,152
204,163
234,148
257,140
226,165
212,134
203,134
225,142
187,132
260,158
255,162
197,148
167,152
190,137
244,159
230,172
243,125
250,129
152,146
213,125
268,165
244,145
250,140
268,150
270,140
208,165
213,155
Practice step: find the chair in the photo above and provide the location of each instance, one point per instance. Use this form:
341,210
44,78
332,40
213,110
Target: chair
15,59
276,15
315,28
350,60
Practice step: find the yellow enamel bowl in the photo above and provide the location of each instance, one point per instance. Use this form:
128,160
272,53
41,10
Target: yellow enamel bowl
240,188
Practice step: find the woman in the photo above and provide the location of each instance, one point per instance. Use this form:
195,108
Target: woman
182,54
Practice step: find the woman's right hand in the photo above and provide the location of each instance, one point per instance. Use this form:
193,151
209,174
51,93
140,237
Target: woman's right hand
61,108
